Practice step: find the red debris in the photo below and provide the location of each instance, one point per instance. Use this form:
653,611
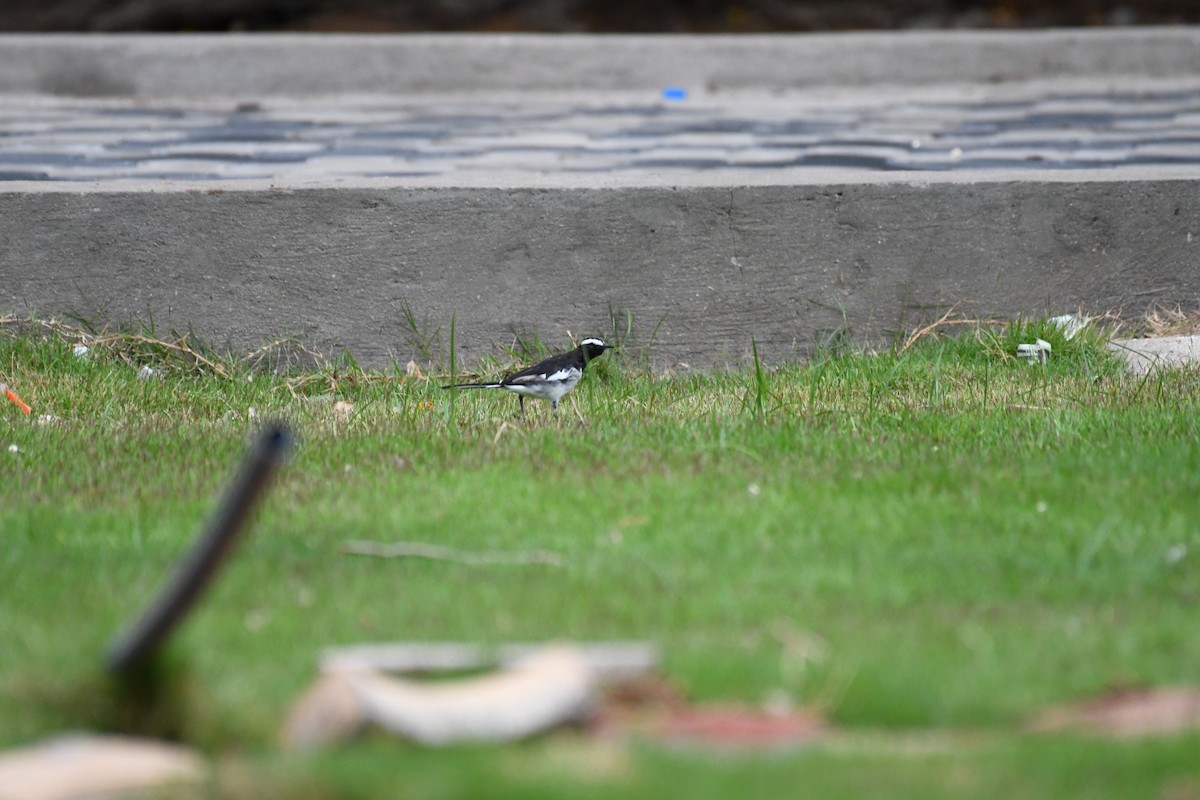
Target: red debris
11,395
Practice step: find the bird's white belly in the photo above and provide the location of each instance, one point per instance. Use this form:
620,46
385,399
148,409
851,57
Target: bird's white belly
552,390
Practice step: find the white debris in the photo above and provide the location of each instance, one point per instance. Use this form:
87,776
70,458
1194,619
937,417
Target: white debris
81,351
12,448
255,620
611,662
147,373
327,713
1037,352
47,419
88,765
1070,324
549,689
251,413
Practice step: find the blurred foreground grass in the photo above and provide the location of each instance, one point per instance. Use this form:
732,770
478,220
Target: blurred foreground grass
927,545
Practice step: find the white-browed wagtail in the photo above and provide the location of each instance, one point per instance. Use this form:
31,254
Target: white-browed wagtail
549,379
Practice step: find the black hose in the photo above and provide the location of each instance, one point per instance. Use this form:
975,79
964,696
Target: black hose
137,644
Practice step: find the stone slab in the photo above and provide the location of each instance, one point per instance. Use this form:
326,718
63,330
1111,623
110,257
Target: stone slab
1163,352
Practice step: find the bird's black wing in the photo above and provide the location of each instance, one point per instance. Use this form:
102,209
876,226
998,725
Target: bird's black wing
544,369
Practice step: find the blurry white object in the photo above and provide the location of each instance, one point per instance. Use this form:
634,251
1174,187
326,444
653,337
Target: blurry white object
535,688
1069,324
1037,352
552,687
87,765
549,688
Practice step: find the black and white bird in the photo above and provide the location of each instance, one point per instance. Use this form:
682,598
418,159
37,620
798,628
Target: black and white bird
549,379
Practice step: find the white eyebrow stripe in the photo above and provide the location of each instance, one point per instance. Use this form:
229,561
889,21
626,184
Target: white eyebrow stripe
593,341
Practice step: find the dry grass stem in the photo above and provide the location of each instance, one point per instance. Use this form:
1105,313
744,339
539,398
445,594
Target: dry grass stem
439,553
1172,322
117,343
945,321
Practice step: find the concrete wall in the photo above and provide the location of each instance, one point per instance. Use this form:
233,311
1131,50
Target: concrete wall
786,264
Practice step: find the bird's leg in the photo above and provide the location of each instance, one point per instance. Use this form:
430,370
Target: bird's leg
554,406
521,413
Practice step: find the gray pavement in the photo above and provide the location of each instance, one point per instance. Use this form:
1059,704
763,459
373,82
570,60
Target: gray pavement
1042,127
1055,172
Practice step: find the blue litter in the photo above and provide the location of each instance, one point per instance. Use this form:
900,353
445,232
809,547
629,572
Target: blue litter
674,93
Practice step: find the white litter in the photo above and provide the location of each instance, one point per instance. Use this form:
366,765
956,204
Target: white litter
81,351
1070,324
92,765
1036,353
548,688
610,662
12,448
147,373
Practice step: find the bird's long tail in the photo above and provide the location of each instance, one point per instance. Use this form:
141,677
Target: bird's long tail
471,386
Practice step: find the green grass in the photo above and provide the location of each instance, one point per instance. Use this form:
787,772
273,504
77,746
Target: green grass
961,538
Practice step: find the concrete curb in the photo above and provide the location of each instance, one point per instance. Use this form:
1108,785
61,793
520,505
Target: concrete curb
710,267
